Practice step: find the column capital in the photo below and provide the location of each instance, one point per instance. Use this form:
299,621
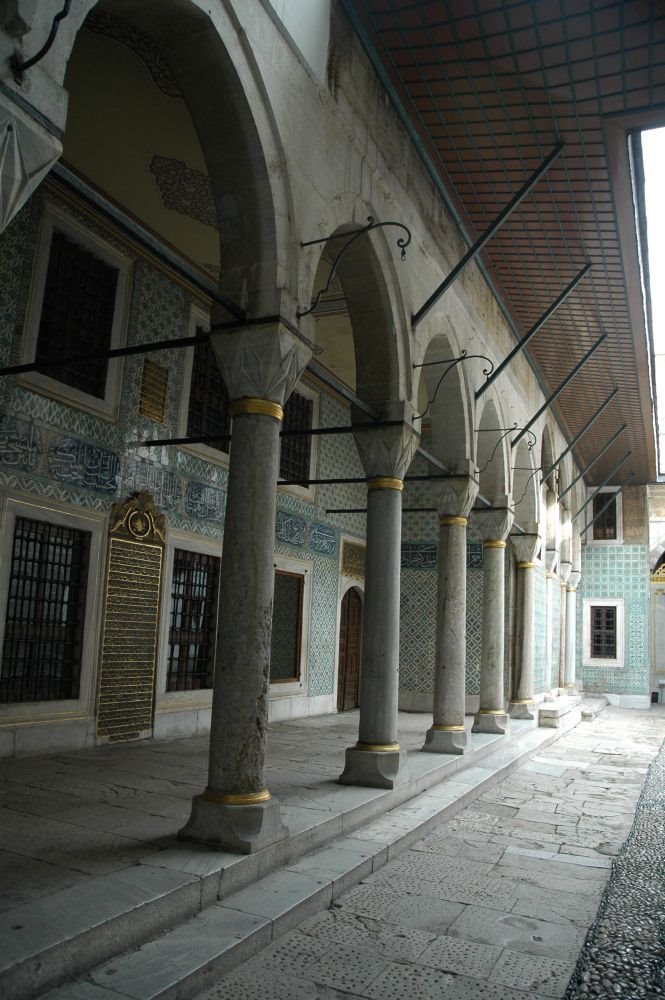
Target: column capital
456,496
261,362
496,521
526,545
551,559
574,579
387,452
565,569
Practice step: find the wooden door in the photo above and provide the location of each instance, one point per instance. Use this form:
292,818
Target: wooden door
350,639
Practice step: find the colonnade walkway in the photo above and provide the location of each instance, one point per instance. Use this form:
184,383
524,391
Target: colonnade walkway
476,877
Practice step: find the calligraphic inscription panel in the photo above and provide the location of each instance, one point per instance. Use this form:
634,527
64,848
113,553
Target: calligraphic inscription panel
129,649
353,560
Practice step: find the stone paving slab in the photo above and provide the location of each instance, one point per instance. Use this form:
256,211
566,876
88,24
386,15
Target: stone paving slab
524,945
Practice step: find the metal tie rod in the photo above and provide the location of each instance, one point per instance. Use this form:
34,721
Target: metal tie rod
593,461
489,232
580,434
557,392
534,329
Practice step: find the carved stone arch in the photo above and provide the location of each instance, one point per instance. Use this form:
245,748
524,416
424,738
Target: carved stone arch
493,443
446,398
206,52
526,500
369,293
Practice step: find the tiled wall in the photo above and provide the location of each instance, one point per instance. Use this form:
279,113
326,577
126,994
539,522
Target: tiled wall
610,571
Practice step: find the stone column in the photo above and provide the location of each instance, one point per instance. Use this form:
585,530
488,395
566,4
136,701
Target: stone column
447,733
236,812
495,523
564,572
550,564
526,547
376,759
571,629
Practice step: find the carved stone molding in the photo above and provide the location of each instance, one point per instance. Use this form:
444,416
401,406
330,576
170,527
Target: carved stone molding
388,451
526,545
495,522
27,153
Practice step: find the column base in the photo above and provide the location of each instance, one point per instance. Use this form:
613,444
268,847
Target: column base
451,739
495,723
243,829
374,768
522,708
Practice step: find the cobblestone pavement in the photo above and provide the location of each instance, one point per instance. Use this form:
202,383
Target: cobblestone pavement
496,904
624,954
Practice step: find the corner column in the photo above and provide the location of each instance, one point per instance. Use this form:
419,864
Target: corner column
236,811
448,733
526,546
495,523
571,629
376,759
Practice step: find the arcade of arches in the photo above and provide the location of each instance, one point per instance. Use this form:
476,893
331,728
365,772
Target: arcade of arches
241,478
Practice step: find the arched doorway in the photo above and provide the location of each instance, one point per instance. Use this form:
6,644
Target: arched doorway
350,640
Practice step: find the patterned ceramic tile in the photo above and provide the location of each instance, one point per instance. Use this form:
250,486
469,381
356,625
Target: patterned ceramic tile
20,443
610,571
539,630
417,629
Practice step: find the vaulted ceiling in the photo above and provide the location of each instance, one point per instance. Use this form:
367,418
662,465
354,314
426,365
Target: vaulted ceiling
489,89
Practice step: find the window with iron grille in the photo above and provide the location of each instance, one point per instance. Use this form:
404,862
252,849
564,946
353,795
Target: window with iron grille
77,314
603,632
296,450
208,414
193,626
41,654
285,643
605,528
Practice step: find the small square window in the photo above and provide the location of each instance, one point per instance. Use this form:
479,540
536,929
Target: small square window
193,621
77,308
603,629
605,517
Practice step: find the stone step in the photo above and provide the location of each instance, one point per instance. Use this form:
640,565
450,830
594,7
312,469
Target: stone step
593,705
181,962
551,713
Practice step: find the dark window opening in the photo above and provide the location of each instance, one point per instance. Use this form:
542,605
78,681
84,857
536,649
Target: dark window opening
605,528
603,633
192,633
296,450
77,314
286,627
208,414
41,654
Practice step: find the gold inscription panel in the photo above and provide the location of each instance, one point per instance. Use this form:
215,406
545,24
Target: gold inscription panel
353,560
129,648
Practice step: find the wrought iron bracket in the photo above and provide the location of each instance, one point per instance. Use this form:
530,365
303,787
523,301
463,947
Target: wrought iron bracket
452,363
18,66
506,431
351,237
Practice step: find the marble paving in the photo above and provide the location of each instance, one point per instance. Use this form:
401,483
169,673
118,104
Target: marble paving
494,904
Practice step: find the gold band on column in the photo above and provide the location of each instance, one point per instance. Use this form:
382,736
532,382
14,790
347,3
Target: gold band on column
264,407
451,519
494,543
526,565
550,576
449,729
240,799
377,747
491,711
571,590
521,701
385,483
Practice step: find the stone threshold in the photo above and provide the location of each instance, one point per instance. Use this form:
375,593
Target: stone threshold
225,907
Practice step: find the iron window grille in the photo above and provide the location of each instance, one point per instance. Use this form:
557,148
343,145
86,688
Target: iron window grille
605,528
41,655
296,451
193,628
287,617
208,413
77,314
603,645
